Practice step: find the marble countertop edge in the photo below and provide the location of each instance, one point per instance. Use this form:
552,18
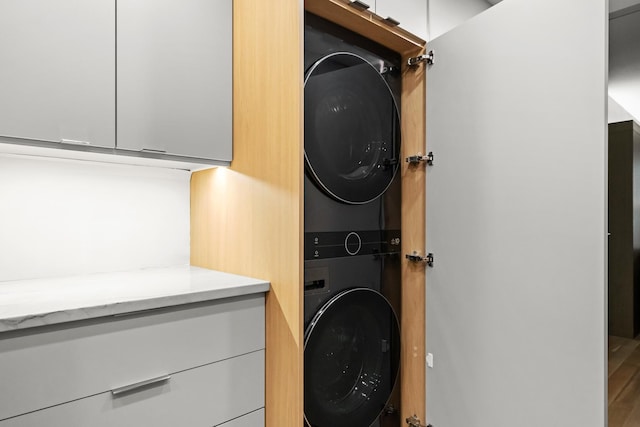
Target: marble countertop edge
192,285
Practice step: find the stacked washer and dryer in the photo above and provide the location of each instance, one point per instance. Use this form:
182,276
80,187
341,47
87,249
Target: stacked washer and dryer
352,229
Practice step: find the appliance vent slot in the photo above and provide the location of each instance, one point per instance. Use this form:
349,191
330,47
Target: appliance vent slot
314,285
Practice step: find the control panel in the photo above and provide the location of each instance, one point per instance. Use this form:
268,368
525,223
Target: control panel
338,244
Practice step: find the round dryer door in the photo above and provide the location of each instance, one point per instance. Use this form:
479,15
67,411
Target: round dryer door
352,128
351,357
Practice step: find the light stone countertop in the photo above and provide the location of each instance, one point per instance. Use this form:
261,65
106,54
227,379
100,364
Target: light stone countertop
39,302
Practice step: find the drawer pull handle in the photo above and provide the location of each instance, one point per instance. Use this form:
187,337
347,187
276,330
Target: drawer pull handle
128,388
74,142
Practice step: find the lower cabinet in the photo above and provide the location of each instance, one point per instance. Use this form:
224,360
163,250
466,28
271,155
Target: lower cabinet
192,365
254,419
201,397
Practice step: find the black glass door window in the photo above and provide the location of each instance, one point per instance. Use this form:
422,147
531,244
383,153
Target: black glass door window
351,357
352,128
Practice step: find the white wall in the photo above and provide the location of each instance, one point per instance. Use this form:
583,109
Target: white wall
66,217
624,61
617,113
618,5
443,15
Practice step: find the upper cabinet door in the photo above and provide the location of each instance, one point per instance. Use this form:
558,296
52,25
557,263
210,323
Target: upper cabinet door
57,74
412,14
516,217
175,77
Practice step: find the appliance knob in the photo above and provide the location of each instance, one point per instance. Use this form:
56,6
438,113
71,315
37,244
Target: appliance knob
352,243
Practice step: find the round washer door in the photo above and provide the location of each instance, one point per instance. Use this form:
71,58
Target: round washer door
352,128
351,359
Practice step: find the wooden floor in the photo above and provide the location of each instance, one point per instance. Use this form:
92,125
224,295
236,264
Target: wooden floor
624,382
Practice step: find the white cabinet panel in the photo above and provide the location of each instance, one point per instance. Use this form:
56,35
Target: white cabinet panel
516,218
200,397
50,366
57,75
412,14
254,419
175,77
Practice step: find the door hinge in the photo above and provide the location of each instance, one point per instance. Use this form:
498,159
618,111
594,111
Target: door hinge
416,257
428,57
414,421
414,160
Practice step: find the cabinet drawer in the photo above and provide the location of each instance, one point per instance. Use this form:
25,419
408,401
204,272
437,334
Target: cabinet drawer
254,419
52,365
200,397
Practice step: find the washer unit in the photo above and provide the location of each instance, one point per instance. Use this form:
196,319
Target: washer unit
352,229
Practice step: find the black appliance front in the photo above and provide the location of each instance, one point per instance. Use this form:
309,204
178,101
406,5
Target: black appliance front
352,131
352,229
352,332
352,128
351,345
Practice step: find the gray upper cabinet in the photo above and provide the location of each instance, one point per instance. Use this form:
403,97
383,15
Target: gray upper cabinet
412,14
138,79
175,77
57,76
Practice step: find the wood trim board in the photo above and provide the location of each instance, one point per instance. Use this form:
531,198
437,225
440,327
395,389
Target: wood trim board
367,24
413,334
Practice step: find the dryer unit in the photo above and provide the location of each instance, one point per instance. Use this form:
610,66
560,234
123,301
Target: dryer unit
352,229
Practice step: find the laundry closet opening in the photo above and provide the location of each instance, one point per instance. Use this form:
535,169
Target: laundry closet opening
624,216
